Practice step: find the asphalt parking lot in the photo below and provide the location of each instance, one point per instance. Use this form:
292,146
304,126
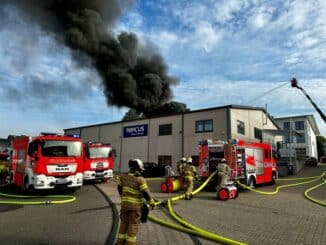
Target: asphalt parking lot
285,218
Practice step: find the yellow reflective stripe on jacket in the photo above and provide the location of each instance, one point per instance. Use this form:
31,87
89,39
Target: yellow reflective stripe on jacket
130,190
143,187
121,236
131,238
131,200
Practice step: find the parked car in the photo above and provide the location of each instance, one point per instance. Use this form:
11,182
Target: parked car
323,159
311,161
153,170
284,168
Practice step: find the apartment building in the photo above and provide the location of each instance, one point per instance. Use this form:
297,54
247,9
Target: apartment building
299,139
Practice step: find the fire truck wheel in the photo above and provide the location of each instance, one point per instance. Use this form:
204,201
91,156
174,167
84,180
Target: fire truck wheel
73,190
273,179
11,178
25,186
251,182
223,194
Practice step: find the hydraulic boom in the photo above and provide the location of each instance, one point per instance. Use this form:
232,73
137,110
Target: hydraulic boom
294,83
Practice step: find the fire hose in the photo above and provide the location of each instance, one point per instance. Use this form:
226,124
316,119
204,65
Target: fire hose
187,227
63,199
313,179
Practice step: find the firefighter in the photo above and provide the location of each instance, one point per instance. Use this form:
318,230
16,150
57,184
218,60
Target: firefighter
189,173
223,173
181,164
132,188
4,170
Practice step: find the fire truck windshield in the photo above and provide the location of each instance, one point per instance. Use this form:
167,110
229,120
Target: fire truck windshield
99,152
62,148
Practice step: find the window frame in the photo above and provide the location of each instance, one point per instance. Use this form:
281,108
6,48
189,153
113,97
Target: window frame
300,136
205,125
163,132
258,133
167,160
239,128
299,125
286,125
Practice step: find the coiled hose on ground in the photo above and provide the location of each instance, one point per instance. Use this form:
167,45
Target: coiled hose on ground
187,227
312,179
50,199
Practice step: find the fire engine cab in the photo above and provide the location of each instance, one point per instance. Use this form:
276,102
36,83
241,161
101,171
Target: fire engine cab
46,161
250,162
98,161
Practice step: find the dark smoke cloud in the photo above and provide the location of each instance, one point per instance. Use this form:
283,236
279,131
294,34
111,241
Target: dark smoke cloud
131,78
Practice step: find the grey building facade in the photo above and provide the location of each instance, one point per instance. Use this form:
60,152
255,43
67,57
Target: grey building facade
164,140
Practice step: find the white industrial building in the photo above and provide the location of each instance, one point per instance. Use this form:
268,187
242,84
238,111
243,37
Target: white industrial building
165,139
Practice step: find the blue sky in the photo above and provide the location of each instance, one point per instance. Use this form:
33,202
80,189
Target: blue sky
223,52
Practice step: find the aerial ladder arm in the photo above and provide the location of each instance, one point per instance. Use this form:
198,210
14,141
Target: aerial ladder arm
294,84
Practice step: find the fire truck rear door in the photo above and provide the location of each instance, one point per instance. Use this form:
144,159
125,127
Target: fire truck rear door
258,155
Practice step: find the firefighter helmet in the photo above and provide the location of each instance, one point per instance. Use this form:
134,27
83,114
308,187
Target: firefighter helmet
189,160
223,160
183,160
136,164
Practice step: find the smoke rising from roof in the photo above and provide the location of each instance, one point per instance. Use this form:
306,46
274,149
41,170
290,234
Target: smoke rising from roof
133,76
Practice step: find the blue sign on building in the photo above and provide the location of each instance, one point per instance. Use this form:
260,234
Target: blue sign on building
135,131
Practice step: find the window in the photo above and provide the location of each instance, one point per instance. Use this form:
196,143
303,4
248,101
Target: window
20,162
286,125
21,155
32,148
267,154
204,126
300,152
300,138
165,129
165,160
299,125
240,127
288,138
258,133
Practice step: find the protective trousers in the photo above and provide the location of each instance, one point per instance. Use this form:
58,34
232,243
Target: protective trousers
189,185
222,179
129,225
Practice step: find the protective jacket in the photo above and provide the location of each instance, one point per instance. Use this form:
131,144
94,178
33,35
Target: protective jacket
189,172
132,188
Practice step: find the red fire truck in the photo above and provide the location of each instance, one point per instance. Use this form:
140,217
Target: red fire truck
98,161
251,163
46,161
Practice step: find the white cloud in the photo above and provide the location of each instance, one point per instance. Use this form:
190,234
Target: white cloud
225,10
260,17
206,36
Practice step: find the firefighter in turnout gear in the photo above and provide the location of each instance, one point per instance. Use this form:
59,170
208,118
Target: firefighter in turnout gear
132,188
189,173
224,172
181,164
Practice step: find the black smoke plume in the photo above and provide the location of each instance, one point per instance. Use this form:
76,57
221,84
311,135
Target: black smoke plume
131,78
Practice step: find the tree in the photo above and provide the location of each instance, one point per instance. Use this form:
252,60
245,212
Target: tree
321,146
132,114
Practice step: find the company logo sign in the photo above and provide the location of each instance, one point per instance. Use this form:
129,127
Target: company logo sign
135,131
